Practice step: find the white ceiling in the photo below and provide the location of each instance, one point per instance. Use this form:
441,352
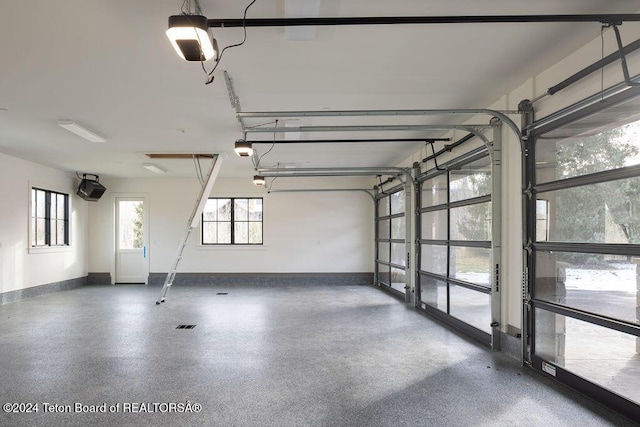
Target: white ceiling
109,65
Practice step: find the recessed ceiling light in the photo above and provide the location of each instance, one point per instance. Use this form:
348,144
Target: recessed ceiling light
80,130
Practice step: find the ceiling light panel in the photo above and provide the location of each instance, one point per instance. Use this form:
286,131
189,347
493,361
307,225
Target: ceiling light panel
81,131
153,168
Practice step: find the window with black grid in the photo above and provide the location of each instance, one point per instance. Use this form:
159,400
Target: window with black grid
232,221
49,218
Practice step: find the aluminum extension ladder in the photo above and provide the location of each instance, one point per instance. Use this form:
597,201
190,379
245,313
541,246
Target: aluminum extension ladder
194,219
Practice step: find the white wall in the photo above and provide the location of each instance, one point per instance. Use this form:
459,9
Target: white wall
21,267
512,253
303,232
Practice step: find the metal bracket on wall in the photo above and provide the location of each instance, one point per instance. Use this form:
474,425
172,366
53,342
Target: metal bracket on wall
233,97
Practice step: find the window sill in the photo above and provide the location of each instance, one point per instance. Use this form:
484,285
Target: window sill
48,249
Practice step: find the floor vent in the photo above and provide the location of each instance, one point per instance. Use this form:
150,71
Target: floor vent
186,326
222,293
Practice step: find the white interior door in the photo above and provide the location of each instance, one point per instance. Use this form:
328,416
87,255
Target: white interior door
131,247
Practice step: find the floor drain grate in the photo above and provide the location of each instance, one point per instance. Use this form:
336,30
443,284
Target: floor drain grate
186,326
222,293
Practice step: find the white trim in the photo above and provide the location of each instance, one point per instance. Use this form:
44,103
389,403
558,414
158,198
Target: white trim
114,197
48,249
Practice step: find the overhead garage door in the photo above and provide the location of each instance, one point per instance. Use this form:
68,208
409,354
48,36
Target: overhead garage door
583,264
391,251
455,250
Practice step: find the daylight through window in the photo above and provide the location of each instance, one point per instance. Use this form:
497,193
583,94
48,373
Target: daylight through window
49,218
232,221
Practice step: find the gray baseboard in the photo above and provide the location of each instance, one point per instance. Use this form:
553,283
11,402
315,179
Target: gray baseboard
22,294
99,279
264,279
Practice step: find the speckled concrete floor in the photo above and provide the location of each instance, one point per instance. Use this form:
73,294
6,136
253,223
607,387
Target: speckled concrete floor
278,356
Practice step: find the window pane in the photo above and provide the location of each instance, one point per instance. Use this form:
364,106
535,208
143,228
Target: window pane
138,221
542,220
255,209
434,191
383,251
608,212
224,209
597,283
60,232
397,202
470,306
434,225
40,231
581,149
241,230
53,206
604,356
433,259
398,279
471,222
383,206
40,204
241,210
471,180
433,292
53,232
398,230
255,232
383,229
224,233
472,265
61,214
384,275
209,212
399,254
130,223
209,232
